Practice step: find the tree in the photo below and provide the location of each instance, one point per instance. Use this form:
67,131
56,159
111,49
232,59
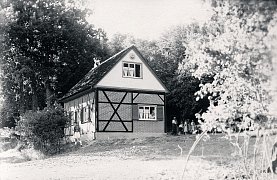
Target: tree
236,48
271,41
49,47
232,49
8,106
119,42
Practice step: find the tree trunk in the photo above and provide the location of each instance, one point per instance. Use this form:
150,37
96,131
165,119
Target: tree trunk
48,94
34,102
22,103
34,96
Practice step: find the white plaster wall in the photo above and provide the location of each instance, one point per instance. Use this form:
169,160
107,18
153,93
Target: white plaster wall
115,78
83,101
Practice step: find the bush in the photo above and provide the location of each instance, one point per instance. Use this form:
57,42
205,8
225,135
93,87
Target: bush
43,130
31,154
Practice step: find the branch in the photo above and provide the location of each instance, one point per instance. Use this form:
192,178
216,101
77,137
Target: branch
192,149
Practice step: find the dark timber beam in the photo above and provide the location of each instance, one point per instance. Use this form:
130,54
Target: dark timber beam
115,111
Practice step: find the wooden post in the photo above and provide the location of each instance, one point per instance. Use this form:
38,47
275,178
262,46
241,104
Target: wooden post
132,104
96,110
165,115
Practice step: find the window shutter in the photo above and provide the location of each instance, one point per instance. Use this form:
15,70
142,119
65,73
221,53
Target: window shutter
135,112
89,113
160,113
75,116
82,115
137,70
70,114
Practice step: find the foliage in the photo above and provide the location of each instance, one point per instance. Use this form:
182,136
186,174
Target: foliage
44,129
119,42
271,42
182,98
232,49
48,47
12,149
236,48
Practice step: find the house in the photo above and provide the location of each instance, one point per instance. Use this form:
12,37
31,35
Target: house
121,94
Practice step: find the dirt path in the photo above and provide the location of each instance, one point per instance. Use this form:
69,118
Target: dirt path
73,166
136,158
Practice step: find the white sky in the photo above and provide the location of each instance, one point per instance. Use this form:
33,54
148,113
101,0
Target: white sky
146,19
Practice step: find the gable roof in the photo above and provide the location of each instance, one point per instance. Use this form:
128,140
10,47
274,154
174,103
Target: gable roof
97,73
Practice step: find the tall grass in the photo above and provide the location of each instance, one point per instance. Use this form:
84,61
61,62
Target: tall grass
256,165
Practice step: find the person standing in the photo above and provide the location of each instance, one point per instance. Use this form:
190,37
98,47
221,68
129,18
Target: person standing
181,128
77,133
185,127
174,126
189,126
193,127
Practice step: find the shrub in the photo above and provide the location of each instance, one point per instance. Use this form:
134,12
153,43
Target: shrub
44,130
31,154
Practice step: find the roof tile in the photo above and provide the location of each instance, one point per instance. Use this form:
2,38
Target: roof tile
96,74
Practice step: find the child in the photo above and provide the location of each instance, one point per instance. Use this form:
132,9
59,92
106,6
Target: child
77,134
185,127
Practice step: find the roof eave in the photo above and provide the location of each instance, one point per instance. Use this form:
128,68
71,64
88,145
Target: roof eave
76,95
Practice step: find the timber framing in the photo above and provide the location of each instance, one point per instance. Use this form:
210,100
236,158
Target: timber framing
133,95
117,103
115,111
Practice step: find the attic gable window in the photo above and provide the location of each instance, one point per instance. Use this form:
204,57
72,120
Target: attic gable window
132,70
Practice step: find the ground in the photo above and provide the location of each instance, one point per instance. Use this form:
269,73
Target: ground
156,157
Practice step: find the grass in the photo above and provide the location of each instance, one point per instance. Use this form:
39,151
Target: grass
216,153
217,148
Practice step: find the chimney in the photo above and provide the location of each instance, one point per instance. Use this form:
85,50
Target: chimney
96,62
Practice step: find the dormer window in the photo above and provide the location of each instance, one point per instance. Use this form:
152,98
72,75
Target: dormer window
132,70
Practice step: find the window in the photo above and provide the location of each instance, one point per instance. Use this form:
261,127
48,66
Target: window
131,70
85,114
147,113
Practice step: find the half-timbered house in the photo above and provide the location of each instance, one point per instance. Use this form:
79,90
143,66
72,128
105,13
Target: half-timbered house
121,94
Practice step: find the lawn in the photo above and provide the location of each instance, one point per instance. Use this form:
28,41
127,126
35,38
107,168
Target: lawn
156,157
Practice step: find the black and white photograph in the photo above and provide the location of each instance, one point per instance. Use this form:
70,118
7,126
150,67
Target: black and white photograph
138,89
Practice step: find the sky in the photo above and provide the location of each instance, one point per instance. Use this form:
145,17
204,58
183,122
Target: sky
146,19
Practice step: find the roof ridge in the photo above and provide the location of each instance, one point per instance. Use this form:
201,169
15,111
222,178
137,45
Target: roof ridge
117,54
104,67
112,57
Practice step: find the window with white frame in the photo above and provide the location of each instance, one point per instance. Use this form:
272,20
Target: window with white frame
147,112
132,70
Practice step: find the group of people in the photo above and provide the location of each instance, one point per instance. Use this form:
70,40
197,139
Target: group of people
184,127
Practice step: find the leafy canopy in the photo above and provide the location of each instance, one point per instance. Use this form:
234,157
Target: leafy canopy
48,47
232,48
